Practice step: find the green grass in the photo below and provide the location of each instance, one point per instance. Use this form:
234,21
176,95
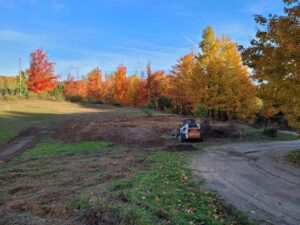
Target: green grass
294,157
163,194
256,134
56,147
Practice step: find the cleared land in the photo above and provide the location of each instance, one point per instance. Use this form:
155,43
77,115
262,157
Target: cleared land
83,164
99,165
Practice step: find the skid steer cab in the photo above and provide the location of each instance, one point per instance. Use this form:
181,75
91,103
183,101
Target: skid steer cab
190,130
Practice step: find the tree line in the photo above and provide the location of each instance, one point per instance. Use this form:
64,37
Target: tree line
214,82
222,80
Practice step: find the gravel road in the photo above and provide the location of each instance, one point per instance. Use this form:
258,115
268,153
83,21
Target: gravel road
250,177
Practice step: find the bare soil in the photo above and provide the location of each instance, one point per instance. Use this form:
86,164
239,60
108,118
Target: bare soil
250,176
132,132
25,140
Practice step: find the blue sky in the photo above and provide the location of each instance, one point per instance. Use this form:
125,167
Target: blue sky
80,35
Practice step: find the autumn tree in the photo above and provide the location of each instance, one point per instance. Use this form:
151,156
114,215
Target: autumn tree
82,87
135,93
149,82
41,75
107,88
120,85
76,90
220,83
95,84
180,83
156,86
69,87
274,56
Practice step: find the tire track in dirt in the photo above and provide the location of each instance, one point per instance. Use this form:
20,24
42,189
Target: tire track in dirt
249,176
26,139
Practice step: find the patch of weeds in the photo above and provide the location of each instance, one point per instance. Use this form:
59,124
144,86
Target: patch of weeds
147,112
294,157
166,194
56,146
133,214
83,203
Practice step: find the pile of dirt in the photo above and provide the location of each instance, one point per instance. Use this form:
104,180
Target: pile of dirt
132,132
223,130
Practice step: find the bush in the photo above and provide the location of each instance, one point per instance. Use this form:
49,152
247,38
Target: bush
75,98
164,103
200,112
147,112
10,98
117,104
58,92
94,101
45,96
151,105
271,131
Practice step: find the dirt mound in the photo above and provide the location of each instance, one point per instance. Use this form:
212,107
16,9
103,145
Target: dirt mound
29,131
223,130
180,148
132,132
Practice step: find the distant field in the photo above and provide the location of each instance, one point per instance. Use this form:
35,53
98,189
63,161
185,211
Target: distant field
18,115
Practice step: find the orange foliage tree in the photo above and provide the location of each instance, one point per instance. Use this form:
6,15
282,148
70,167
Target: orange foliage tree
41,73
156,86
120,85
95,84
107,89
181,83
135,94
221,84
74,88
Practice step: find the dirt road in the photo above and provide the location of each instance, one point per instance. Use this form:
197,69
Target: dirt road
250,176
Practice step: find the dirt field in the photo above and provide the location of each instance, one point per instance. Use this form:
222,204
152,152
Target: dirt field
128,131
252,178
60,156
39,188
